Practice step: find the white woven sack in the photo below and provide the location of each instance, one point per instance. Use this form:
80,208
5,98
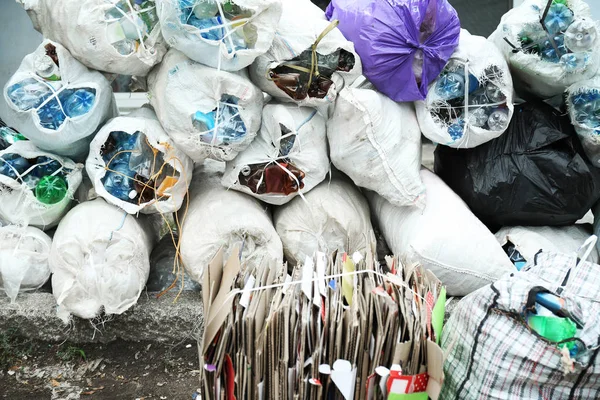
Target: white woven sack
377,143
529,240
542,78
142,120
188,38
73,137
217,218
82,27
333,216
445,237
301,25
179,87
308,153
24,255
474,55
18,204
100,261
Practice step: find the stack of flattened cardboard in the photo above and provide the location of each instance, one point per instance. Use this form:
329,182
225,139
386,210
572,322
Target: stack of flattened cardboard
336,328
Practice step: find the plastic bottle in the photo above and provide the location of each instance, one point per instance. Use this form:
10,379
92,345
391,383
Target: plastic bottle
28,94
498,120
549,52
554,329
11,164
581,35
574,62
51,189
80,102
231,125
558,19
119,182
46,68
206,9
8,137
479,98
46,166
51,115
205,124
450,86
457,129
478,117
494,93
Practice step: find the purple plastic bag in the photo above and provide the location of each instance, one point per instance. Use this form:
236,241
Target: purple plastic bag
397,38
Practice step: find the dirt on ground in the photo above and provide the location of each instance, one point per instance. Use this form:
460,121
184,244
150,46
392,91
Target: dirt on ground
119,370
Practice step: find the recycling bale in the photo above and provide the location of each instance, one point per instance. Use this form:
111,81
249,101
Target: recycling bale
221,34
471,102
134,165
57,102
547,55
288,157
119,37
208,113
36,188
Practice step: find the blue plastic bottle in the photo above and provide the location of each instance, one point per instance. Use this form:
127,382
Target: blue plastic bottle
558,19
51,116
450,86
11,164
119,183
80,102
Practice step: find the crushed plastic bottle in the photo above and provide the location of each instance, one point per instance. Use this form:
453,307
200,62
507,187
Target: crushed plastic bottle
205,9
581,36
12,165
555,329
51,115
450,86
28,94
51,189
587,108
457,129
549,51
494,93
9,136
119,181
498,120
230,127
478,117
130,24
558,19
574,62
80,102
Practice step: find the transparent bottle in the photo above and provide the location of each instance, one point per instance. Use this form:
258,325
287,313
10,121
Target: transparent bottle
581,36
80,102
28,94
498,120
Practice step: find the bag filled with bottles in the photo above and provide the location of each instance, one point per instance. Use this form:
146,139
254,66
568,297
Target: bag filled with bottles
536,174
99,260
522,243
208,113
377,143
221,218
134,165
36,188
223,34
583,103
403,44
334,216
24,252
56,102
116,36
549,45
288,157
309,62
471,102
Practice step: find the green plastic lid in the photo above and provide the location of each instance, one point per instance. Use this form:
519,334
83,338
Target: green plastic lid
51,189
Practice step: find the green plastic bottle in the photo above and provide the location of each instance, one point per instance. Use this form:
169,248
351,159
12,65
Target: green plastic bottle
555,329
51,189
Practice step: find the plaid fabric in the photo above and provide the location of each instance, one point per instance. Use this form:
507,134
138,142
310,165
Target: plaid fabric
494,355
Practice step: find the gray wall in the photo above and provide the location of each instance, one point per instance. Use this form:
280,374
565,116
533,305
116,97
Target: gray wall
18,39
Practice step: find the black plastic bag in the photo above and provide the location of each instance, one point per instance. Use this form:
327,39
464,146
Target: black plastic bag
535,174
